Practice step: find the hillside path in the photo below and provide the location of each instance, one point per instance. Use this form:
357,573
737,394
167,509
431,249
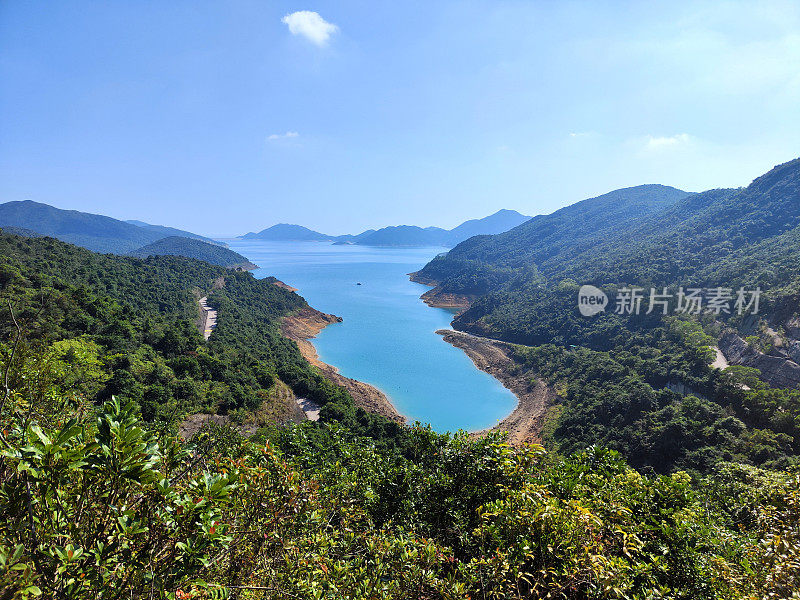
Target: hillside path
209,317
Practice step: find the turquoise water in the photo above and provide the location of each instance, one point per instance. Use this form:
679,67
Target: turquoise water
388,334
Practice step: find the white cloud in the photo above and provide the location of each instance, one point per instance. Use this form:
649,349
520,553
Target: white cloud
656,143
311,26
283,136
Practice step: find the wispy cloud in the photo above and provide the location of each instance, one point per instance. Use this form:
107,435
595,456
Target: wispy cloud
283,136
657,143
310,25
581,134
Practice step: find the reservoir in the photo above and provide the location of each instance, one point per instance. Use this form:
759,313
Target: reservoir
387,338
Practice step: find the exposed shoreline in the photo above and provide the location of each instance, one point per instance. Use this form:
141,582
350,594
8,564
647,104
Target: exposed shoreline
248,266
305,325
435,298
524,424
285,286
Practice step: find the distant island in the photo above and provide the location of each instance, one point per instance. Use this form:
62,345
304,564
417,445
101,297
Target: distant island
398,235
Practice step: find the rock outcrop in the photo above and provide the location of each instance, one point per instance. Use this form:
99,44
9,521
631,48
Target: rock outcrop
777,371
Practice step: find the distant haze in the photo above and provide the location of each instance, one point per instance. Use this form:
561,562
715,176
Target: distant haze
220,118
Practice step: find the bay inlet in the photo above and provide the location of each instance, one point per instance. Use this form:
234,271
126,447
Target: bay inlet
388,336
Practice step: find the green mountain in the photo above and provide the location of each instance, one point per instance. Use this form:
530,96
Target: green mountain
480,264
643,384
284,232
171,231
399,235
137,321
194,248
646,236
501,221
101,357
94,232
405,235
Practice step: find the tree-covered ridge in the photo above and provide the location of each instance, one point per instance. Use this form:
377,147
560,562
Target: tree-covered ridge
172,231
480,263
634,382
95,232
719,238
630,239
138,319
191,248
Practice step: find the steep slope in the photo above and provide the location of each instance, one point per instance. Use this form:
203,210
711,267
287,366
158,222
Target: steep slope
172,231
728,238
482,263
93,232
501,221
192,248
139,320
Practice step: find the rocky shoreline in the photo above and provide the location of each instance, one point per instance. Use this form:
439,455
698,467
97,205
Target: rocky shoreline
306,324
436,298
285,286
524,424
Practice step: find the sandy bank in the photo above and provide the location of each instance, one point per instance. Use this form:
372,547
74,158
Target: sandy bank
524,424
306,324
284,286
439,299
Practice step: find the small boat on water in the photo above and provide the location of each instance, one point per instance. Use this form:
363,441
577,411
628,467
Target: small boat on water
358,283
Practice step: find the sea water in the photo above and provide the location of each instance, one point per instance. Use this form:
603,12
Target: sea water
387,337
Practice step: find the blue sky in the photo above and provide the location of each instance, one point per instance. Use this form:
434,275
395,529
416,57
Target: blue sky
229,116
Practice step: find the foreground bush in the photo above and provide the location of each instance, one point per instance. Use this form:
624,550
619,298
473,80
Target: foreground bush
98,507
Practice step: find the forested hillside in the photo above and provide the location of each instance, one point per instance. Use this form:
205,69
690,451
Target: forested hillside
197,249
643,383
100,357
482,263
95,232
137,321
172,231
97,504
